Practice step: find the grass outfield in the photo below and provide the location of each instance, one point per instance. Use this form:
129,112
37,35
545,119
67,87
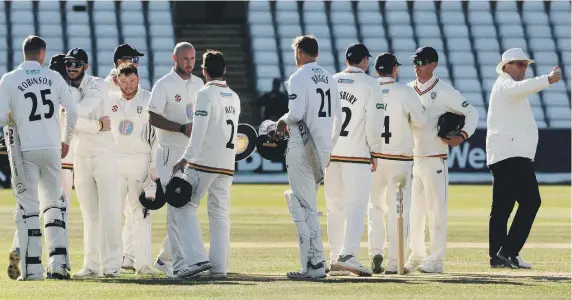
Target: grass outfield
264,248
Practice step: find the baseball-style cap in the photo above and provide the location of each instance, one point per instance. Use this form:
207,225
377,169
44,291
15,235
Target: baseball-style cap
385,62
57,61
357,52
77,54
426,54
125,50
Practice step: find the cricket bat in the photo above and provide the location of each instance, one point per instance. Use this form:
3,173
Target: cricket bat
400,242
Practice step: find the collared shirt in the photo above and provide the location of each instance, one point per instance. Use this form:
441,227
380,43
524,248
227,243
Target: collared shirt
362,108
403,111
438,98
211,148
33,95
511,128
313,98
129,121
173,98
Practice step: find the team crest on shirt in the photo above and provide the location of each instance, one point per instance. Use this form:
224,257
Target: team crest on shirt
189,110
139,109
126,127
433,95
178,98
114,108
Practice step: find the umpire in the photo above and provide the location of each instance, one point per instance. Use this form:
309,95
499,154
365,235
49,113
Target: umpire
512,137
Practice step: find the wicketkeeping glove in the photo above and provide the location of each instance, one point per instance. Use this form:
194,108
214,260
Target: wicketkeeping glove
450,124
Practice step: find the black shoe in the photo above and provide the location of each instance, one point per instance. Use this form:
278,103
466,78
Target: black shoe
58,276
498,263
511,262
376,264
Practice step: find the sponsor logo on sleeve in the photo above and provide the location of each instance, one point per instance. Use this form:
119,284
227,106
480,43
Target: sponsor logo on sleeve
465,104
379,105
346,81
223,94
201,113
292,96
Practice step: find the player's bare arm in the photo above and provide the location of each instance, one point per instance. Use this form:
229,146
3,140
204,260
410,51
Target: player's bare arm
162,123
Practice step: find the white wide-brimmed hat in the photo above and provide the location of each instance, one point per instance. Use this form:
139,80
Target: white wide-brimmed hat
512,55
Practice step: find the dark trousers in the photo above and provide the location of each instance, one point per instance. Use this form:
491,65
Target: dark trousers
513,181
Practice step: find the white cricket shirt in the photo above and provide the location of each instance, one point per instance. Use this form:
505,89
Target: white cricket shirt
511,128
313,98
128,122
211,147
403,111
33,94
174,98
438,98
362,112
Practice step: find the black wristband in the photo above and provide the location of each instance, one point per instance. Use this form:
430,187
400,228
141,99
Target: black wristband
183,128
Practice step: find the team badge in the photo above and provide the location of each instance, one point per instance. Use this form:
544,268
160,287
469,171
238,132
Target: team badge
139,109
189,111
74,52
178,98
114,108
433,95
126,127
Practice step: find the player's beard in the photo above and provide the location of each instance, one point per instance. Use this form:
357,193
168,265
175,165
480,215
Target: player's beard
77,80
182,71
129,94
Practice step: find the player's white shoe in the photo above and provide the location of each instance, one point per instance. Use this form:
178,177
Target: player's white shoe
112,273
128,264
214,275
148,271
193,270
58,273
337,271
86,273
317,271
14,264
515,262
431,266
164,267
352,264
391,267
412,265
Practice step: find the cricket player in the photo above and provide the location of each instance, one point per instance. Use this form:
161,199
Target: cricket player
95,165
136,151
403,111
347,179
171,112
314,123
430,170
123,54
210,156
35,149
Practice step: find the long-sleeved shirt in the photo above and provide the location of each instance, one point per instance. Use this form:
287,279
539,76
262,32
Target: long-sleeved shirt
312,94
362,103
94,104
212,145
511,128
33,95
438,98
403,112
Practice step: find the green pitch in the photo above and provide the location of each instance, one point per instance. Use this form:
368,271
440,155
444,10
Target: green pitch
264,249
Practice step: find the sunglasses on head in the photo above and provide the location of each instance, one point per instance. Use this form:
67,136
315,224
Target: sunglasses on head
133,59
75,64
520,64
418,62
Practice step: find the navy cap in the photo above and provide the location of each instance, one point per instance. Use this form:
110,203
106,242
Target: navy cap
357,52
125,50
77,54
426,53
385,62
57,61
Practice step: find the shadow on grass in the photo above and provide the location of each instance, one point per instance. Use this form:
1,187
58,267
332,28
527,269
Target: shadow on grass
416,278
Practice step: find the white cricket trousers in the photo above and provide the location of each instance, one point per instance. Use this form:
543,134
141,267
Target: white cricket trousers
98,197
383,198
346,186
166,159
42,170
305,215
185,229
133,169
429,198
